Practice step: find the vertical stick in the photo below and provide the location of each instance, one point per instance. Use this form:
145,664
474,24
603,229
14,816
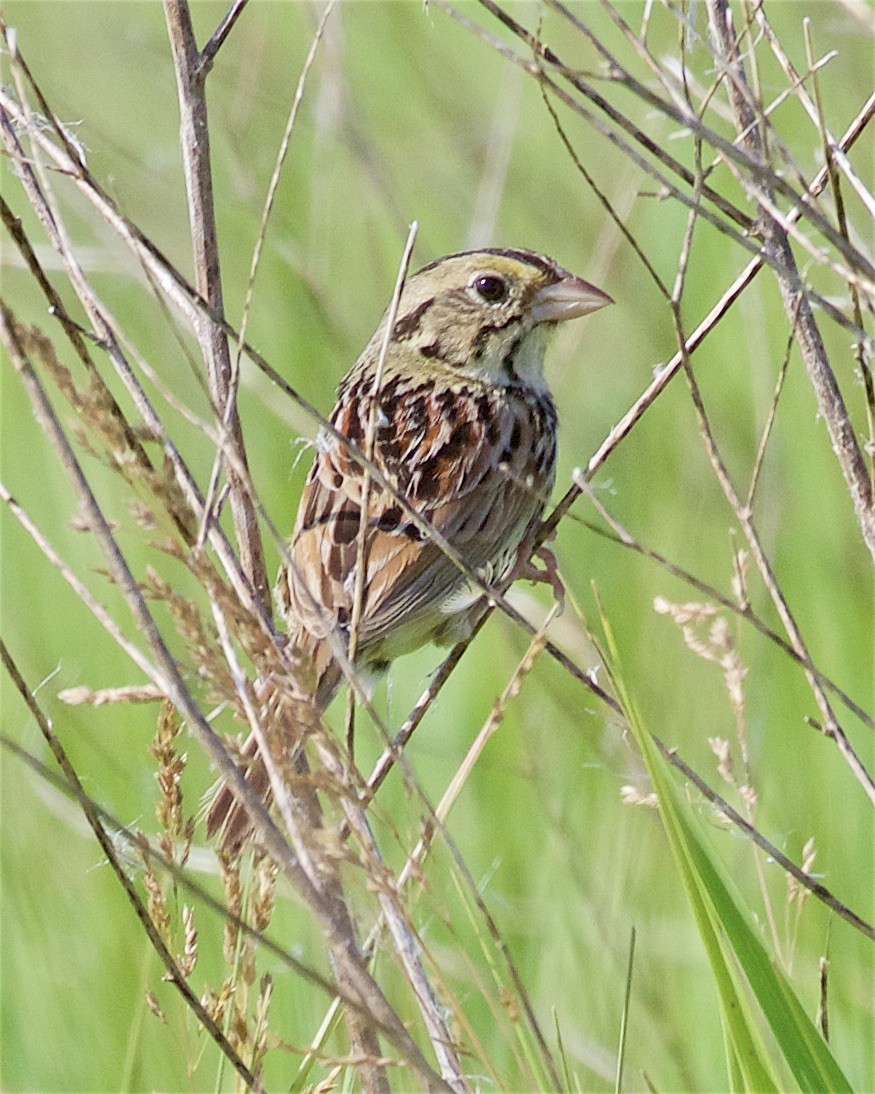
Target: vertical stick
195,141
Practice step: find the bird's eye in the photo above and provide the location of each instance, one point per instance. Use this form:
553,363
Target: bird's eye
492,289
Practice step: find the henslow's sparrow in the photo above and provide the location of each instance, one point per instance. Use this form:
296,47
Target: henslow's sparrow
465,431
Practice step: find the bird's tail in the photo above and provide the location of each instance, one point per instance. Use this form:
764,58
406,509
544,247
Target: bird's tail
227,818
286,722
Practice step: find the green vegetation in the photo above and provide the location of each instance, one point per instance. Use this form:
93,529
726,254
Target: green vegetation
406,116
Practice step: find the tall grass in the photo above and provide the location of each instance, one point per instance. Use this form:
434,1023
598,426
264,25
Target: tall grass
716,539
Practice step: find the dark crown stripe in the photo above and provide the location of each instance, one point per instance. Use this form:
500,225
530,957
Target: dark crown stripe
530,258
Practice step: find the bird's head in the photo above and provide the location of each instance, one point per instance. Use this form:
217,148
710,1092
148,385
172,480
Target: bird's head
487,315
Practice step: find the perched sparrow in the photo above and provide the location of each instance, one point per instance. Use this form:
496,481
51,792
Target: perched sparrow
466,432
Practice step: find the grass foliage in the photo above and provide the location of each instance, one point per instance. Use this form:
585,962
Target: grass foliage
520,841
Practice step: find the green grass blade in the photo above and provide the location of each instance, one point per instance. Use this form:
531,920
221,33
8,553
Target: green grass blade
748,1058
732,942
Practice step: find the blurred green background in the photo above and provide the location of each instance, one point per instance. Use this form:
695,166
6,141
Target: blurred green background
408,116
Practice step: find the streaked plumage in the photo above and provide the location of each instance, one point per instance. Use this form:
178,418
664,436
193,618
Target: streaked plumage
465,431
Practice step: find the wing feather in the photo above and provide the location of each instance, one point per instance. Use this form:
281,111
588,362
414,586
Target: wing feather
474,465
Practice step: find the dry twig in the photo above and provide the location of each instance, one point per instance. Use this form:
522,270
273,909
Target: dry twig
191,75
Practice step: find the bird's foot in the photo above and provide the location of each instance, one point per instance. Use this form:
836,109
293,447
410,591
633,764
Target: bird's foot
549,575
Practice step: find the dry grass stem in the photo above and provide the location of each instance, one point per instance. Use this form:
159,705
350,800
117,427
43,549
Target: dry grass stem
195,617
234,379
352,974
195,141
210,51
370,435
739,604
145,693
153,930
774,227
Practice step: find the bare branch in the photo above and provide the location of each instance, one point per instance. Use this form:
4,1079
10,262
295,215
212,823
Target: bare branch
694,340
253,269
406,945
174,973
785,863
105,328
620,534
181,876
209,52
832,727
352,974
194,134
361,561
741,156
829,397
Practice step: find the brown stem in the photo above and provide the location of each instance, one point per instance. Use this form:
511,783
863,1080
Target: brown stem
668,371
211,49
195,140
804,879
796,304
181,876
353,978
174,973
832,728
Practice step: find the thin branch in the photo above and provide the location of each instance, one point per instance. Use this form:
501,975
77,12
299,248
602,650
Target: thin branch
814,109
406,944
829,397
194,134
253,269
742,238
770,421
619,534
831,728
602,198
369,448
140,845
667,372
166,675
209,52
81,590
415,859
832,156
13,225
624,1020
394,750
104,325
741,155
820,891
174,973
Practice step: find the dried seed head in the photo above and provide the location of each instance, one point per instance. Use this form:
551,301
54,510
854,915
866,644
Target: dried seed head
188,958
156,903
631,795
154,1006
720,747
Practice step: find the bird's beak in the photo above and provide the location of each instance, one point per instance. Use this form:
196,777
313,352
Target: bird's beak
568,298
